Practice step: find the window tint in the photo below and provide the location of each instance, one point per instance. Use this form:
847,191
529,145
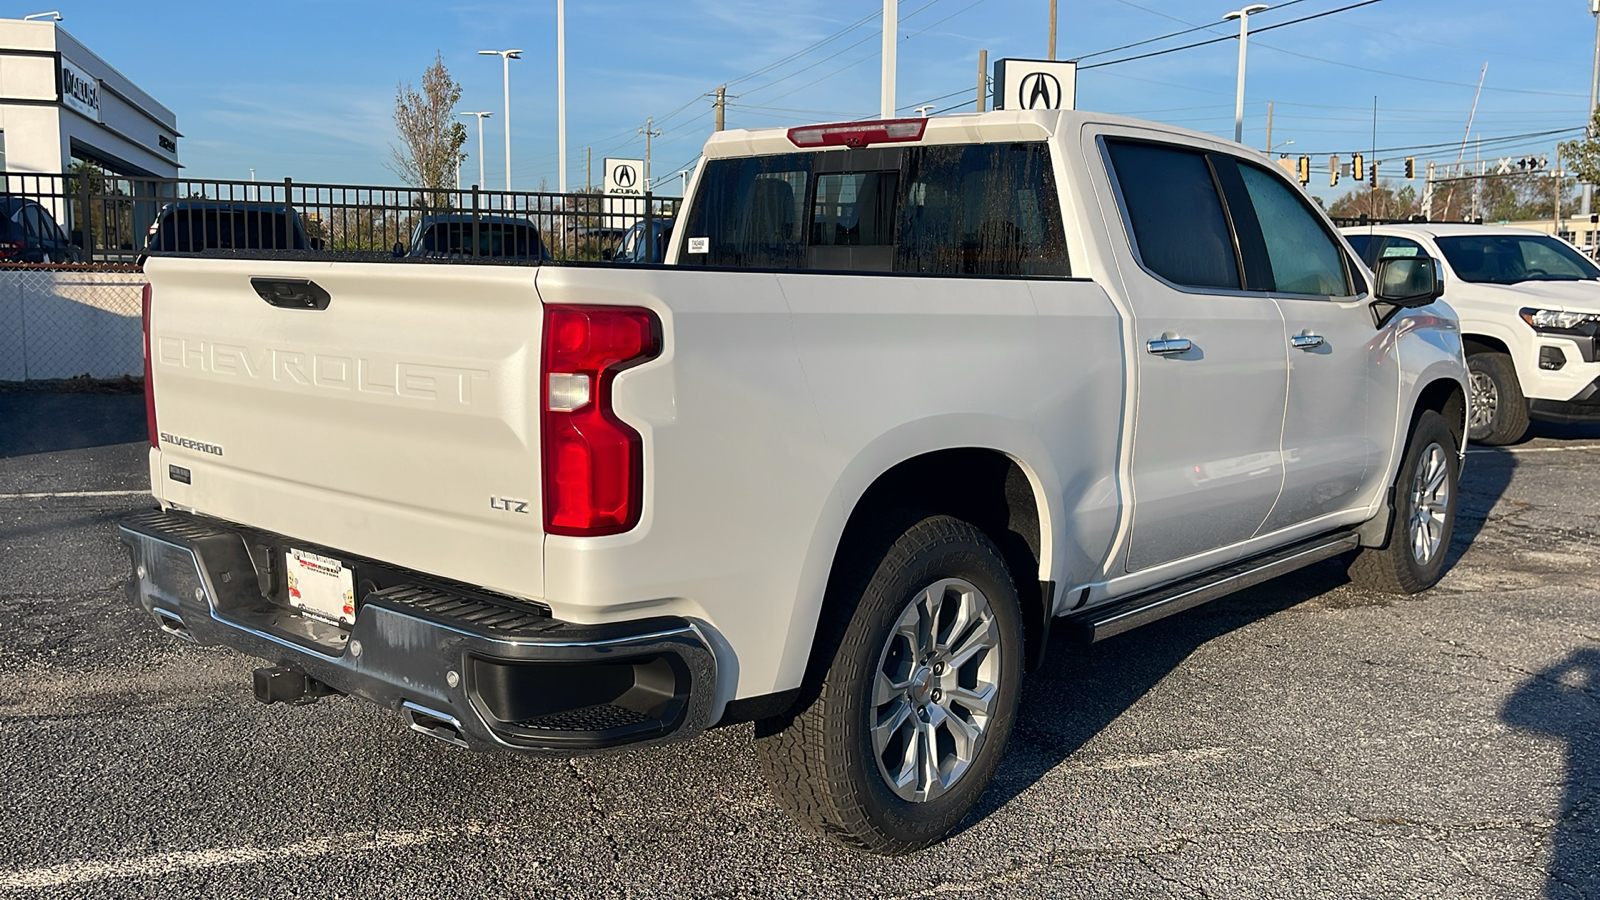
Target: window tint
1305,260
982,209
751,212
987,209
1174,214
1511,258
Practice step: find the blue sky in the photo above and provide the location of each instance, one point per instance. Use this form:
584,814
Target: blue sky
306,89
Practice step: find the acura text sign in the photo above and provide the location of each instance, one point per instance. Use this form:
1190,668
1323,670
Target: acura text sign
624,179
80,91
1035,84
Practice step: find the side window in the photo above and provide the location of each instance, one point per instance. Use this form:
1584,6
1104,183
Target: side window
1362,244
1304,259
1401,248
1174,213
981,209
33,226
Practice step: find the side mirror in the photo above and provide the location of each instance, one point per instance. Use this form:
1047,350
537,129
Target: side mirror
1405,282
399,248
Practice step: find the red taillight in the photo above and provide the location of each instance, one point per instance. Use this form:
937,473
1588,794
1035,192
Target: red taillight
9,249
593,462
149,385
858,134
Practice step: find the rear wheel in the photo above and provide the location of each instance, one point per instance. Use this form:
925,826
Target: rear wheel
1498,410
1424,515
909,718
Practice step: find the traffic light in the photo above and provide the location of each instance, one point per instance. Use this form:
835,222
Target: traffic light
1411,167
1355,167
1304,170
1333,171
1372,175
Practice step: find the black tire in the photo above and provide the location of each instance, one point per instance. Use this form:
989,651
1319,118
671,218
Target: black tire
1395,568
820,760
1499,411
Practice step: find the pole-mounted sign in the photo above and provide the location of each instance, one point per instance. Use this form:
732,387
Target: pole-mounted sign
1035,84
624,189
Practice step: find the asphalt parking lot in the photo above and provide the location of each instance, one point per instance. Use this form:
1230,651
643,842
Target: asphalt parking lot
1301,739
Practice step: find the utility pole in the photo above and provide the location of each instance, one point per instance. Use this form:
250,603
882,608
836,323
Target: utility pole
1269,127
1243,15
983,80
1594,99
649,133
588,170
721,103
1052,29
1558,179
1427,195
891,39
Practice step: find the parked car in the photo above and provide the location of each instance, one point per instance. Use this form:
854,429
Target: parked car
633,248
1530,319
190,226
28,234
495,237
907,396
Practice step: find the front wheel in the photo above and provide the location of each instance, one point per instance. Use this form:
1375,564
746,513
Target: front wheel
910,717
1424,514
1498,411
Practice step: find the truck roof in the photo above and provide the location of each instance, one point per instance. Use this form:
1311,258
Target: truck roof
958,128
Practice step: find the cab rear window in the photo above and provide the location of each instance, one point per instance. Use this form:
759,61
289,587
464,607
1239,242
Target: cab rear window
982,210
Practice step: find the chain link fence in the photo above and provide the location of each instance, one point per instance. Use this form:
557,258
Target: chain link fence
70,322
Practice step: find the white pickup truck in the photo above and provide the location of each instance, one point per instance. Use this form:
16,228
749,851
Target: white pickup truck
906,396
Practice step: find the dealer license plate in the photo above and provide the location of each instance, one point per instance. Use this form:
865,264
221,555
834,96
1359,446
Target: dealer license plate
321,586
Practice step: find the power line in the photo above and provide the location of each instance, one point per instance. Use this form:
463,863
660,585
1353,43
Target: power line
1447,144
1163,37
1230,37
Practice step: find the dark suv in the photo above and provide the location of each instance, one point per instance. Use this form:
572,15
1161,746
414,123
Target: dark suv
28,234
485,236
187,226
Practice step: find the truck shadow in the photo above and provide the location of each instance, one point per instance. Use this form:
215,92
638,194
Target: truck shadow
1080,690
1563,702
36,421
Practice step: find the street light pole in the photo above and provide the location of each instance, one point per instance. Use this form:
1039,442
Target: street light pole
480,117
561,91
1594,99
506,56
1243,15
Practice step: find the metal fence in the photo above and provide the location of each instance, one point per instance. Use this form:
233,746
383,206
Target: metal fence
61,322
114,219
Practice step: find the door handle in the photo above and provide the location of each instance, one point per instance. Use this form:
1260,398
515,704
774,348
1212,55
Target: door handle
1306,341
1168,346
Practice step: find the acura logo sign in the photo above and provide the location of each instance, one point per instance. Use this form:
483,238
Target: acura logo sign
1039,90
624,176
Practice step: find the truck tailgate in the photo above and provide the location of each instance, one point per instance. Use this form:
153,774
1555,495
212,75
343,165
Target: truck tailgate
399,423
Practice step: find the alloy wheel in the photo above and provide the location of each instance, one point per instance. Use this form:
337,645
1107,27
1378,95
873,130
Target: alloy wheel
1430,503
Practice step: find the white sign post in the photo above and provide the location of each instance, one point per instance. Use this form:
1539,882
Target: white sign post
1035,84
624,189
80,91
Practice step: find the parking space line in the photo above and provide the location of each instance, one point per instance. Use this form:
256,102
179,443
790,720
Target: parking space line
48,495
89,871
1534,449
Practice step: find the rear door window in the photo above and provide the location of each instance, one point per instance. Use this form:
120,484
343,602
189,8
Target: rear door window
982,209
1174,214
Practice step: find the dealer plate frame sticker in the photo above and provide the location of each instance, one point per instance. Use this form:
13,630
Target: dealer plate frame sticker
320,586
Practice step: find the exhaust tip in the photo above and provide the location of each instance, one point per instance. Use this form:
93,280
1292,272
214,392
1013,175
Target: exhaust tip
172,624
436,725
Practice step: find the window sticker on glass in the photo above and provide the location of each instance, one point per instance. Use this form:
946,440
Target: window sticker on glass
699,245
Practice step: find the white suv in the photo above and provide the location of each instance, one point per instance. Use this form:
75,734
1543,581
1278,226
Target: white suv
1530,319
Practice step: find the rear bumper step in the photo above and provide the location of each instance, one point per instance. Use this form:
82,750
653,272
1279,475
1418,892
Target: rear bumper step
471,669
1141,609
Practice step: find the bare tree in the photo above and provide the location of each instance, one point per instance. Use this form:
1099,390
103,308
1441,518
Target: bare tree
431,137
